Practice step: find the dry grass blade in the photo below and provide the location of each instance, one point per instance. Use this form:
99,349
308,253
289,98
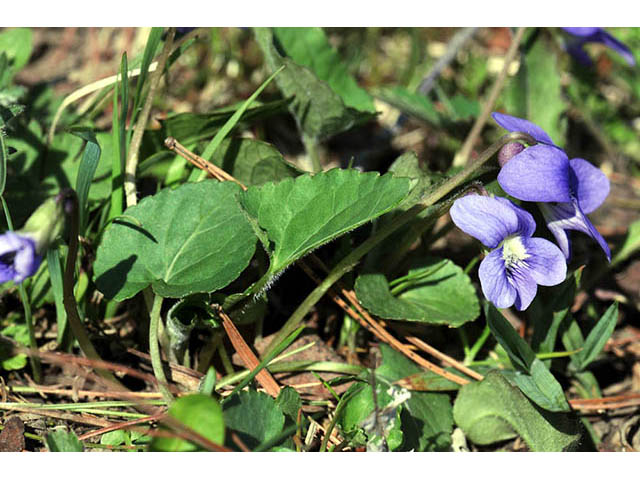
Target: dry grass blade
213,170
445,358
248,357
122,425
606,403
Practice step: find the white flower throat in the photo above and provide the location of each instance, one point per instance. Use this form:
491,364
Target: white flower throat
513,251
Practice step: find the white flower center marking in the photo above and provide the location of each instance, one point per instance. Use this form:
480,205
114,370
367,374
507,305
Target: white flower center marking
513,251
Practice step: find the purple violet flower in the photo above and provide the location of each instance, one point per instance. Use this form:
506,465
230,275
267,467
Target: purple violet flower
18,257
518,263
584,35
569,189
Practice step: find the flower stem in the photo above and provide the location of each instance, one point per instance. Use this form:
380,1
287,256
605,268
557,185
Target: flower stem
69,299
154,349
352,259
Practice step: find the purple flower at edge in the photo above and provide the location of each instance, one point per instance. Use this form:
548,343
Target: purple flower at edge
582,35
18,257
518,263
567,189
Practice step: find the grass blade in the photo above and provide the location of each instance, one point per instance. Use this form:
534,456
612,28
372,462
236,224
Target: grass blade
88,166
55,273
235,118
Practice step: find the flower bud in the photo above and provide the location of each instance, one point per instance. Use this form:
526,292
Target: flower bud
509,151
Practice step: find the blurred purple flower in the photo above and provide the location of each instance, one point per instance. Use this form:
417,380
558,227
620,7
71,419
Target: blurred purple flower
544,173
582,35
518,262
18,257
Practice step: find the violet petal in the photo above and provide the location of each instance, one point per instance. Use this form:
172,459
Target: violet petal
588,183
526,287
485,218
515,124
569,216
547,265
538,174
494,282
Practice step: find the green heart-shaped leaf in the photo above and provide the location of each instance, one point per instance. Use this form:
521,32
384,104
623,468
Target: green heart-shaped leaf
492,411
302,214
194,238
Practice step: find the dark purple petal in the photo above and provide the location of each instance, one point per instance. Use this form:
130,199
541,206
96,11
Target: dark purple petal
569,216
485,218
494,282
546,263
588,183
538,174
515,124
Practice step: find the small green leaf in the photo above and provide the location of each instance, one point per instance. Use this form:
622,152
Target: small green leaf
254,416
253,162
62,441
194,238
534,378
302,214
20,333
519,352
311,48
86,172
444,296
492,410
289,402
631,244
411,103
597,338
426,419
202,414
116,437
17,43
319,110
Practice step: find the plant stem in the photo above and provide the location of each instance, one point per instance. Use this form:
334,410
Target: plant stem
154,349
69,299
311,146
463,156
352,259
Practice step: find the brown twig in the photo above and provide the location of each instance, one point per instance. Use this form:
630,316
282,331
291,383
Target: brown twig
121,425
463,156
606,403
84,419
213,170
444,358
249,358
